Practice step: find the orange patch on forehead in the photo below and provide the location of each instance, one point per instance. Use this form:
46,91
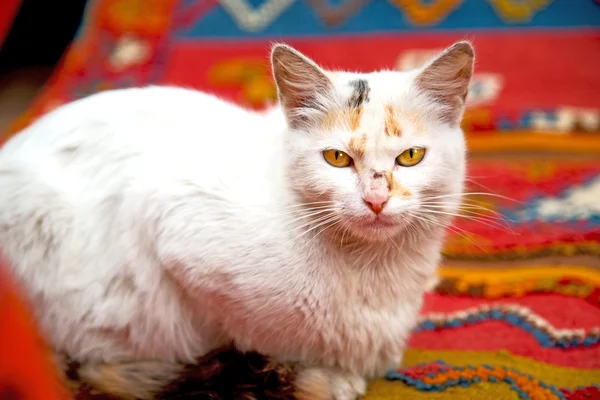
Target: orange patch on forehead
392,116
348,118
330,120
395,189
354,117
391,123
357,145
415,120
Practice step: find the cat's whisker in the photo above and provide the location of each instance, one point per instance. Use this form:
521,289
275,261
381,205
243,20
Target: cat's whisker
474,209
473,180
308,213
482,212
341,231
346,230
305,211
460,206
432,220
326,221
466,236
482,176
337,231
472,194
319,221
300,212
309,223
475,215
420,231
423,220
472,202
293,206
466,201
459,231
488,222
314,221
334,223
393,241
482,186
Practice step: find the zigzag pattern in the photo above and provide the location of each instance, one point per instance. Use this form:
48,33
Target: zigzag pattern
522,317
251,17
438,376
239,18
567,284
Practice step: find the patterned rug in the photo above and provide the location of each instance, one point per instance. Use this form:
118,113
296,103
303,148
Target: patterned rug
222,46
8,12
516,314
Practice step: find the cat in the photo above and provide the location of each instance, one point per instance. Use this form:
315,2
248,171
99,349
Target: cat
162,223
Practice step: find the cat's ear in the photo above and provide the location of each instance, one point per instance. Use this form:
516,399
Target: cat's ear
446,80
301,84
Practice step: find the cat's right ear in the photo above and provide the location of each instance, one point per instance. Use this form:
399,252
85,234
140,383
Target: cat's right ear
301,84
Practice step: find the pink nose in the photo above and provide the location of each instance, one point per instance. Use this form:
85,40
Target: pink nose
376,202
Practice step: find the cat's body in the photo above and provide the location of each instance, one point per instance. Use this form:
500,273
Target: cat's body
101,191
162,223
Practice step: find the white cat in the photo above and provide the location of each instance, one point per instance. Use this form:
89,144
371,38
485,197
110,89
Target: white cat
161,223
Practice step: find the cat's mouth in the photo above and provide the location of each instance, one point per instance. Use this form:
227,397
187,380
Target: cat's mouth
378,223
380,227
377,228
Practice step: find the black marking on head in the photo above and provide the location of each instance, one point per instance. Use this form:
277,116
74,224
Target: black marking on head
360,94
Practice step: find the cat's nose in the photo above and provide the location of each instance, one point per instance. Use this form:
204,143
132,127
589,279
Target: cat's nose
376,202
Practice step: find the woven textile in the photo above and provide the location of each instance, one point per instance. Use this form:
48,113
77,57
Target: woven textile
540,206
8,12
516,314
25,371
222,46
519,286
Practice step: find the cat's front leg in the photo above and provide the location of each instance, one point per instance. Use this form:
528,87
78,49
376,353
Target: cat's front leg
316,383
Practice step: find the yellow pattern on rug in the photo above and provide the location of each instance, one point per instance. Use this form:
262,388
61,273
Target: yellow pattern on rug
551,375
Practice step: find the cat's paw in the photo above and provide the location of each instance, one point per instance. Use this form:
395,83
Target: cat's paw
326,384
347,386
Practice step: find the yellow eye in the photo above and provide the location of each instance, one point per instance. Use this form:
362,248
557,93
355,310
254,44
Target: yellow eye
337,158
411,157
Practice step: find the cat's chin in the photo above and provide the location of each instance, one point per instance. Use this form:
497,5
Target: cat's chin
377,229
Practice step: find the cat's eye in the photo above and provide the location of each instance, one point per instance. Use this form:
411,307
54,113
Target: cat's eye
337,158
411,157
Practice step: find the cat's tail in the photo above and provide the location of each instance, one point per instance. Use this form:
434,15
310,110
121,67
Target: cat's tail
223,374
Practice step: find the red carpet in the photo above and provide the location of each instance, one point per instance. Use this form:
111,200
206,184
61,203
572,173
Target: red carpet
517,311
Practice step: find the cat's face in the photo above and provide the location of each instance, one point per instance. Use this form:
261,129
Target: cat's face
371,155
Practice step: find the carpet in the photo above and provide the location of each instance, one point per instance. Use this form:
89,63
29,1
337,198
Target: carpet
26,373
516,313
8,12
222,46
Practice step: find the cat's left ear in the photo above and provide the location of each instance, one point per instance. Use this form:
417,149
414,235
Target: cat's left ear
446,80
302,85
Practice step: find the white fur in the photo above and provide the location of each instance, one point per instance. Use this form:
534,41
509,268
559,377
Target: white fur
162,222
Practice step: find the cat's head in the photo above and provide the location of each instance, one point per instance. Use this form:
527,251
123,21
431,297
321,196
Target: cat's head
373,154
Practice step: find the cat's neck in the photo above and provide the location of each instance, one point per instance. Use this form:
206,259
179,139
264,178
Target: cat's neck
382,273
361,254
